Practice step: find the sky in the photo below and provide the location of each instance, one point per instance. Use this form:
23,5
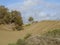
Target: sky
39,9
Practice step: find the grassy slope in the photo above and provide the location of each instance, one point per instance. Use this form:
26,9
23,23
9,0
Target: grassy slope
53,33
37,28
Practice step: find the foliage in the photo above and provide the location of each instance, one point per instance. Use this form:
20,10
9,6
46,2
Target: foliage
21,42
16,17
18,27
7,17
30,19
3,14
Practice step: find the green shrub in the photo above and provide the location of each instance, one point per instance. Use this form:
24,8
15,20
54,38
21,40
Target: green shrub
21,42
31,19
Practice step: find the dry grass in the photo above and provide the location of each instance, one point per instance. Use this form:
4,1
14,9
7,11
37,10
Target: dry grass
39,40
34,29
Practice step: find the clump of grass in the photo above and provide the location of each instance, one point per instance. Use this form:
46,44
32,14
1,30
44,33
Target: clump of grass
21,42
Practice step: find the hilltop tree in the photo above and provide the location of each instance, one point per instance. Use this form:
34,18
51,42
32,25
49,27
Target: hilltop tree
3,14
31,19
3,11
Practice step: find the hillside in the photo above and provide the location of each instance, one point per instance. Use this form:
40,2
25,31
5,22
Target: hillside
39,40
34,29
52,37
40,27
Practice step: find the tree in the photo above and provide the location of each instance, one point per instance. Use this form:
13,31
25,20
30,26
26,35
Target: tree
17,19
7,17
3,14
30,19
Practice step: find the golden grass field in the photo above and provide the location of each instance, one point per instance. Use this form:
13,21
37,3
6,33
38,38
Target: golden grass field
7,36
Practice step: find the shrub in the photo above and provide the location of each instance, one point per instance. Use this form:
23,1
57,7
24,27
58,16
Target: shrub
18,27
31,19
21,42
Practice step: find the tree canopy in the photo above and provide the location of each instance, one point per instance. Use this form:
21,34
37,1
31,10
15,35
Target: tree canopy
31,19
7,17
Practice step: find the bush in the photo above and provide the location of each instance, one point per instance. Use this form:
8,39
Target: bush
21,42
31,19
18,27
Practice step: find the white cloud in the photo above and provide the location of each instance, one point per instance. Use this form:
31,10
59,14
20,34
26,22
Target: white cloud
33,8
42,14
28,4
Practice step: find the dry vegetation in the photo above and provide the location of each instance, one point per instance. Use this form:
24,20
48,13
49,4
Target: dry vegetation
33,29
39,40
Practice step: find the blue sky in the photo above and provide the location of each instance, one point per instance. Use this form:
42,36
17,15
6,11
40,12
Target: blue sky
39,9
8,2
